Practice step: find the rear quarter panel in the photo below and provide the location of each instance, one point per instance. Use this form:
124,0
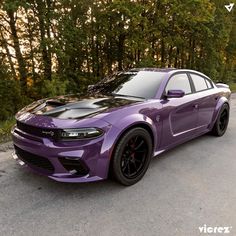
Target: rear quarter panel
224,95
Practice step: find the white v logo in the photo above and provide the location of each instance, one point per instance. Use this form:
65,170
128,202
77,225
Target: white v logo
229,7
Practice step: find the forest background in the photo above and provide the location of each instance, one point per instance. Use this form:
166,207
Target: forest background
54,47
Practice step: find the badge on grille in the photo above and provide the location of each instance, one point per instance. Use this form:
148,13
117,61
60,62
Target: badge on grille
51,133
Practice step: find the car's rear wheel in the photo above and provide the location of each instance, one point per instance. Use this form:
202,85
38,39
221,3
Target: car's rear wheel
222,121
132,156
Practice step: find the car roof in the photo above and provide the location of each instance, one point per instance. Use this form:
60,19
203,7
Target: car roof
153,69
167,70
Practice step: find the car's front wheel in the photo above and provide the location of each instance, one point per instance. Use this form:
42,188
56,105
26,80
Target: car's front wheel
132,156
222,121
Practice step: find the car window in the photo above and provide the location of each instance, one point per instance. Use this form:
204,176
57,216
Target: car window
179,81
209,84
199,82
143,84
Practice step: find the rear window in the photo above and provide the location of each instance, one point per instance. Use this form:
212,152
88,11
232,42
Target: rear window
209,84
199,82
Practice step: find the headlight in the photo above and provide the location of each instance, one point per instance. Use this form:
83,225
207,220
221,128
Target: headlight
85,133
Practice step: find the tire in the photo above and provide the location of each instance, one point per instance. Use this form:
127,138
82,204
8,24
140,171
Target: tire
132,156
222,121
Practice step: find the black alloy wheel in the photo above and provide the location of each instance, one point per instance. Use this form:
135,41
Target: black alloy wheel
222,121
132,156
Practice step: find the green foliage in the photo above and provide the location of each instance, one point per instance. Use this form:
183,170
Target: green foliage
147,62
5,129
54,87
62,46
232,87
10,95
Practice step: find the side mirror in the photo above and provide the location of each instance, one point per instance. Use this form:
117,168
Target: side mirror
175,93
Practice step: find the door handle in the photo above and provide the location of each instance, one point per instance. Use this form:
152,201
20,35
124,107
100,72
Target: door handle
195,106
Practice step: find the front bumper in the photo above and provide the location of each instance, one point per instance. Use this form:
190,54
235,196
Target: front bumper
56,159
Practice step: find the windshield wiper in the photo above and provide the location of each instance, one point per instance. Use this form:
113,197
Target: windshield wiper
124,95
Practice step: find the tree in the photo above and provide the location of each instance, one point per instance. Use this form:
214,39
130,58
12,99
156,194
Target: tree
45,43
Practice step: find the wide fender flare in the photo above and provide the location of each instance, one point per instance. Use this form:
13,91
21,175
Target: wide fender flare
115,133
219,104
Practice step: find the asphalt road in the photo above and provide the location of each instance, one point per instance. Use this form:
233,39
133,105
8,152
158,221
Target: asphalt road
184,189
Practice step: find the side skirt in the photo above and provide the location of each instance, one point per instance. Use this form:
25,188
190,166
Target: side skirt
158,152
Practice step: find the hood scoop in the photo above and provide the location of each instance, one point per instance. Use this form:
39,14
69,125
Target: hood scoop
63,109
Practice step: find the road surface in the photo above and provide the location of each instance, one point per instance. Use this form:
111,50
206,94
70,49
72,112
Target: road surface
191,186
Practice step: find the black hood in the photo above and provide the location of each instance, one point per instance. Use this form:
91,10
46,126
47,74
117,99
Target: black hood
78,106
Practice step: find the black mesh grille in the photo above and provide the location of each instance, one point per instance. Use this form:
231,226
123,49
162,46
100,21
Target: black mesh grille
35,160
37,131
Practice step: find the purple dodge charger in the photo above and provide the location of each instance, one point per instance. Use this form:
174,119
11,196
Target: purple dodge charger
119,125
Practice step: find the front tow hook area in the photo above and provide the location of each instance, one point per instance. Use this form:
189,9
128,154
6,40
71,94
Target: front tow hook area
15,157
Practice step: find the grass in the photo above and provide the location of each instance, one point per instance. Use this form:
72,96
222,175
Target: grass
232,87
5,129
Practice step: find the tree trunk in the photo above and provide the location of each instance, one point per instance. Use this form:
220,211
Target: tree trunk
170,56
182,58
31,39
121,41
193,55
4,43
19,56
41,8
162,52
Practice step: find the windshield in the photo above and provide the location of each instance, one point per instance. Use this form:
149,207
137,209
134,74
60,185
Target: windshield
143,84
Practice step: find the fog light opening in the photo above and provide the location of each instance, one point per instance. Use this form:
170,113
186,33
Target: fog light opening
74,166
73,172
